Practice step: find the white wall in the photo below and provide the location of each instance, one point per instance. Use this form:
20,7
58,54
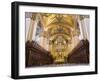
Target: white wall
5,40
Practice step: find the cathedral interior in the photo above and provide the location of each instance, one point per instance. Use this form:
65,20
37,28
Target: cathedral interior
56,39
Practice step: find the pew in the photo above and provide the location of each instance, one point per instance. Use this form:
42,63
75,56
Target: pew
36,55
80,54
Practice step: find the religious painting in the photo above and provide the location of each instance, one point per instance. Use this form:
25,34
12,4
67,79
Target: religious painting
51,40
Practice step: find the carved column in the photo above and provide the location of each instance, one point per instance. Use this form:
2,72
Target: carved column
32,27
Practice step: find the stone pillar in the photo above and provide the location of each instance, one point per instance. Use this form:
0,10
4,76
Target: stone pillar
81,31
87,25
32,29
35,27
85,28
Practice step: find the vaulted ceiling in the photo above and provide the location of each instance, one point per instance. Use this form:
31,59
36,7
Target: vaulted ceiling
54,25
